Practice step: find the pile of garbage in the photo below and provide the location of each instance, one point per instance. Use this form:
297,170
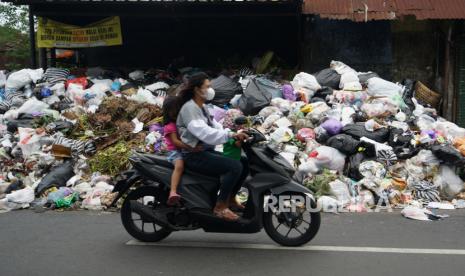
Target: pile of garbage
358,141
65,137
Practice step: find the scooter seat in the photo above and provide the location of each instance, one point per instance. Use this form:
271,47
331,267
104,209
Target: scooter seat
159,160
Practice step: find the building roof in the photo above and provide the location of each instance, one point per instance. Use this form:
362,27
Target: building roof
355,10
365,10
21,2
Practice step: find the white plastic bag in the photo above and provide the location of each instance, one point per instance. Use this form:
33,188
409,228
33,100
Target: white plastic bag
29,141
21,78
417,213
328,204
102,83
51,100
157,86
450,183
102,185
379,87
346,115
136,75
282,134
289,157
401,116
73,180
283,122
282,104
83,188
58,89
309,166
92,199
378,108
349,81
318,110
138,126
304,82
76,93
401,125
341,68
450,130
235,100
145,96
270,110
11,114
2,79
441,205
330,158
268,123
23,196
31,106
341,191
425,122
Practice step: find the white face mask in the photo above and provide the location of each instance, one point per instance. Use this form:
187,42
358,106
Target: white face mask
209,94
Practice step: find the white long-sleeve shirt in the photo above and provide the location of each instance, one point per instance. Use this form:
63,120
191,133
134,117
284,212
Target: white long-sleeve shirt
196,125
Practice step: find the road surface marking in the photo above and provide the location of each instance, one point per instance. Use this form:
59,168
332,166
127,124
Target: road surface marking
303,248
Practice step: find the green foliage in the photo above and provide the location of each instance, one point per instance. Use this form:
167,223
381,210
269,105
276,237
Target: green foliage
14,17
319,183
14,38
112,160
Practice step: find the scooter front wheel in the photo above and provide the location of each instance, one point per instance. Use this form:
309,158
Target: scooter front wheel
295,225
135,224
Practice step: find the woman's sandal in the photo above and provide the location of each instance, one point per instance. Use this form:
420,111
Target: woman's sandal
237,207
226,214
233,204
173,199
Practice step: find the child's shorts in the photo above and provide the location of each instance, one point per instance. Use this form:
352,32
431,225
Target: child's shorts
173,156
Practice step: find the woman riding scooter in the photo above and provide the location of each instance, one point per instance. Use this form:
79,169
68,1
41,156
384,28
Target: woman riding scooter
195,126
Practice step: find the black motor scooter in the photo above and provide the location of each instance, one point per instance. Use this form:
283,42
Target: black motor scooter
276,202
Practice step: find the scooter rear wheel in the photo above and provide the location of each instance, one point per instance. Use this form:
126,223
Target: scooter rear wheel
134,223
304,225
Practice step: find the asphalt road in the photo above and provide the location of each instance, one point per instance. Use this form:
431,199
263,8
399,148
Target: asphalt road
95,243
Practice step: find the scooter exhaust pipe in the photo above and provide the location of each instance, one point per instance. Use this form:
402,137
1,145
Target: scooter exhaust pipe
148,214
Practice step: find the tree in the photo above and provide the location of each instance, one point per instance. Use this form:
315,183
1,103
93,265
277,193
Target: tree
15,17
14,38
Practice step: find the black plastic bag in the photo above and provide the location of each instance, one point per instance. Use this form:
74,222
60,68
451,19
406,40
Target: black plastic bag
63,104
409,93
447,154
397,137
254,98
63,126
405,153
316,99
359,116
270,86
225,89
57,177
323,92
328,77
16,185
353,164
344,143
363,78
400,143
358,131
23,120
321,135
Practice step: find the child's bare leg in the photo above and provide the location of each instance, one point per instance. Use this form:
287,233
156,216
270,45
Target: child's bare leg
175,179
177,174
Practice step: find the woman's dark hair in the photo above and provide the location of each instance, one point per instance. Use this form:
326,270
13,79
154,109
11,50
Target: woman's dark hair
170,109
187,93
